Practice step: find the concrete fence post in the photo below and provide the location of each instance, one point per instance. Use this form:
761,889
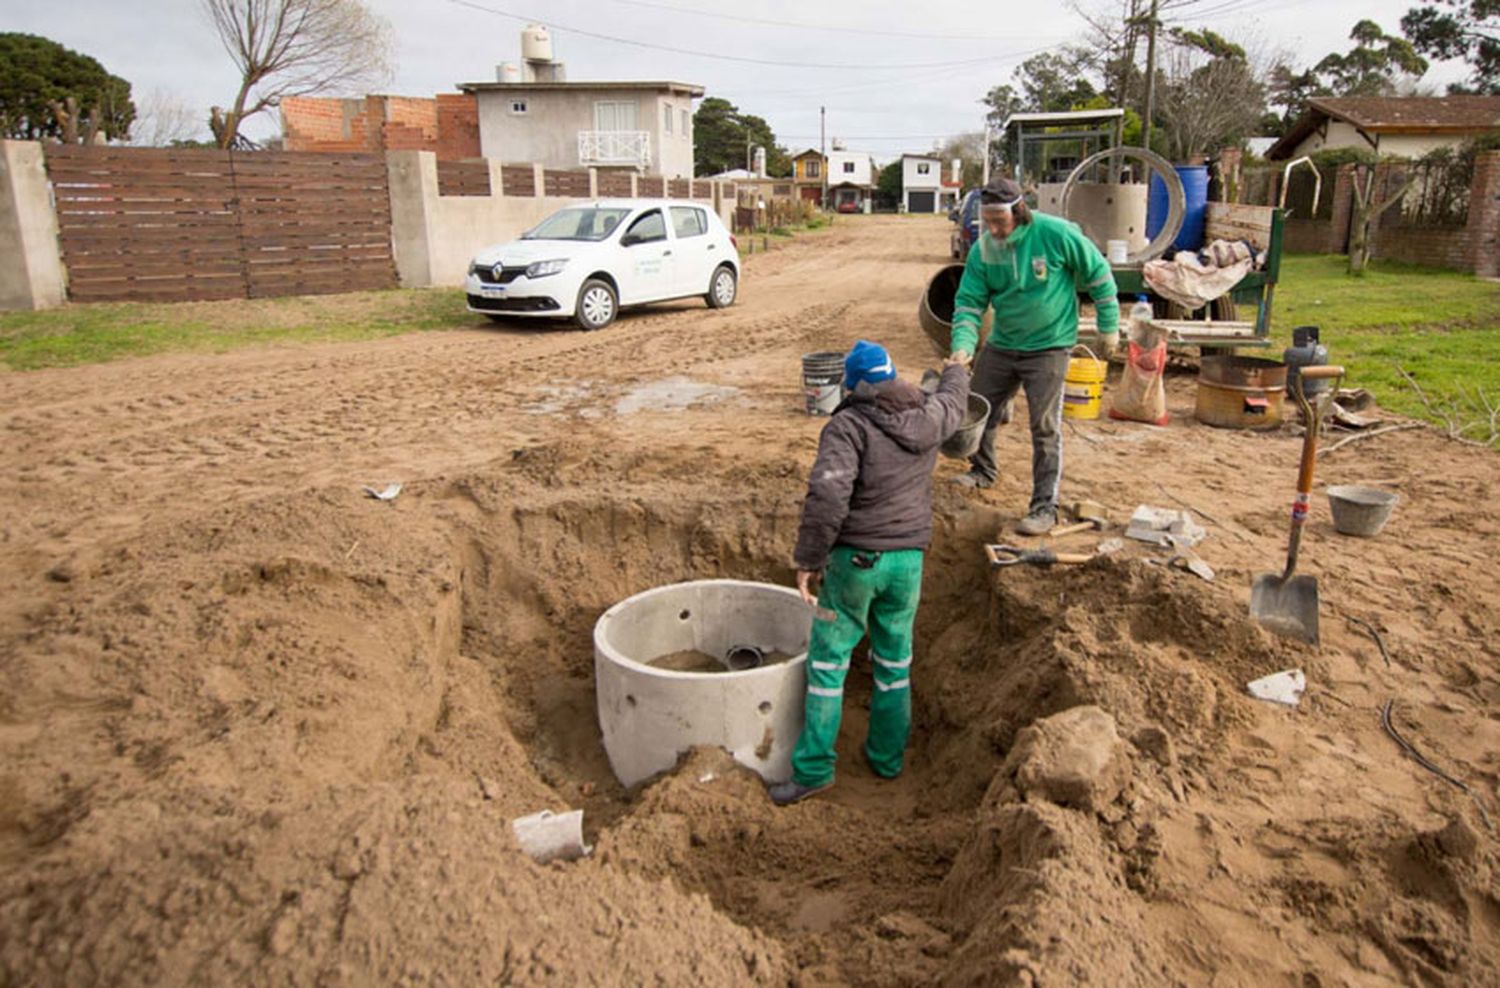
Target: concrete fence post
593,183
31,267
635,185
497,177
538,179
1484,215
414,198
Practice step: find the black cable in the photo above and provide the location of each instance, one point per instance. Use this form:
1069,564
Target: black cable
1373,634
531,19
1388,721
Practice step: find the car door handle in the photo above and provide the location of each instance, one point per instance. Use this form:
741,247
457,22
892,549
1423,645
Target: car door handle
712,246
666,253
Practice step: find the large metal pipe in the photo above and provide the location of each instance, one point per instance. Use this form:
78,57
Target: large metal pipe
935,310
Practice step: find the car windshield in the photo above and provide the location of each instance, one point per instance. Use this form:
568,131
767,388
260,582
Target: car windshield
580,223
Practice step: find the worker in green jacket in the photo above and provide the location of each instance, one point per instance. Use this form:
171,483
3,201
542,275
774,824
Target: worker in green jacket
1030,268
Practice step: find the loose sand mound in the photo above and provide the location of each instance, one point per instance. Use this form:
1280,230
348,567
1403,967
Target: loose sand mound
260,729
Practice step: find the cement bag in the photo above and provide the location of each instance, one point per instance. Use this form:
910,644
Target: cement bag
1142,394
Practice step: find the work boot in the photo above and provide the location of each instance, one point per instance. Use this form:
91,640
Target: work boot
864,754
973,479
791,791
1038,522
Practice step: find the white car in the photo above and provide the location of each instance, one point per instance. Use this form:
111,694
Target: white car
588,261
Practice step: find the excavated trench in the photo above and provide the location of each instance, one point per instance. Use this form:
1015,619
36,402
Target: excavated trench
902,877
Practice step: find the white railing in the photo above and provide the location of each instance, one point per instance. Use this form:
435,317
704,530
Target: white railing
614,147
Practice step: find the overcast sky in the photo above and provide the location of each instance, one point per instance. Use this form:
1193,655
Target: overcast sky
888,71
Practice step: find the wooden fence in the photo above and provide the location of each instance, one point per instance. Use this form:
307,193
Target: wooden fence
183,224
463,178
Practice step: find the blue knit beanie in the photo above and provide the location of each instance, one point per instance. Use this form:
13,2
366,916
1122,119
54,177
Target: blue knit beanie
867,362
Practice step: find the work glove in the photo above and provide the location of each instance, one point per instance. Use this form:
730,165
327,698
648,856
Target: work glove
1108,343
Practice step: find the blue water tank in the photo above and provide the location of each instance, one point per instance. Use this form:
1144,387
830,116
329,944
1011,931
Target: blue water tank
1195,192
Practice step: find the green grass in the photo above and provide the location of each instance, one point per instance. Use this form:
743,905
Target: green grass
83,334
1441,327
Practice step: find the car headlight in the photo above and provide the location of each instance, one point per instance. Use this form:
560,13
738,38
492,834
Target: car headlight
541,269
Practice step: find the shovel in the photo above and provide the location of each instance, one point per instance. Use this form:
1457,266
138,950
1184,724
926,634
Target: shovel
1287,605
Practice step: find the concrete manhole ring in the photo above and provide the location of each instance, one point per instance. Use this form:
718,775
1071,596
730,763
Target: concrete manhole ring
649,715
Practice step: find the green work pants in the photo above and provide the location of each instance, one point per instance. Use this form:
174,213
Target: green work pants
882,598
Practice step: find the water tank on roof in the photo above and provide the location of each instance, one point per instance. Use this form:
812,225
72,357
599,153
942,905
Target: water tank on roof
508,72
760,162
536,44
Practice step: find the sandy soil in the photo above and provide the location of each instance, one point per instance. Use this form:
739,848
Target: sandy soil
260,729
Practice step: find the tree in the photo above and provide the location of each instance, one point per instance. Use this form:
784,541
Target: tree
1466,29
49,91
1372,66
1211,97
1289,90
724,138
288,48
888,186
165,120
1367,208
969,149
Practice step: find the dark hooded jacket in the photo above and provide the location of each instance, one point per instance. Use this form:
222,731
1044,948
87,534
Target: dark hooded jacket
871,485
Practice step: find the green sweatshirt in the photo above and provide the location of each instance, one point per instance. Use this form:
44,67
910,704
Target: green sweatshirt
1032,278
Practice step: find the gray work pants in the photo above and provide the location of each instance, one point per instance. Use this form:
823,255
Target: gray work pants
998,375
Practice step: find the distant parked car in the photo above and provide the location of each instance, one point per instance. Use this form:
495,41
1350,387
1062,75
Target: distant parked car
965,217
586,262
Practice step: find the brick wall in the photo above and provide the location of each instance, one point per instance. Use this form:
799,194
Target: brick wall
1484,215
457,126
447,125
1472,247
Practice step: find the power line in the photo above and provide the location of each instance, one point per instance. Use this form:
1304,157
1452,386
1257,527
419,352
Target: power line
713,55
806,26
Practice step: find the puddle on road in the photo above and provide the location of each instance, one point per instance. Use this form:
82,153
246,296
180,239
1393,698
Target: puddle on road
672,394
558,398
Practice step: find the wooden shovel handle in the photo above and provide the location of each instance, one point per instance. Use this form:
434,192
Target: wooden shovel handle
1319,371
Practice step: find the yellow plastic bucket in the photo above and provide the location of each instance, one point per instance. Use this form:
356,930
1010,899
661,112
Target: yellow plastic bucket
1084,385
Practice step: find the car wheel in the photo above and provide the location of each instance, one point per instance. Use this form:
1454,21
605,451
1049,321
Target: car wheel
597,305
722,288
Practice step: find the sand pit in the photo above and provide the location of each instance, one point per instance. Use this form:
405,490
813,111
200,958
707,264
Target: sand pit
258,728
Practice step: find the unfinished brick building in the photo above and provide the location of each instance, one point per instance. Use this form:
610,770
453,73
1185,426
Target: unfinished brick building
447,125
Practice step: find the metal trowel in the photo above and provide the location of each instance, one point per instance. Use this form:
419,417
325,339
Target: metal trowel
1287,604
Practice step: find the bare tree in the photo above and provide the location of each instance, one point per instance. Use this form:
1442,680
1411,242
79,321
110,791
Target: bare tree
1368,208
1213,94
163,119
295,48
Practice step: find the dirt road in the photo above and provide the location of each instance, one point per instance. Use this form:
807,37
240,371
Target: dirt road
257,728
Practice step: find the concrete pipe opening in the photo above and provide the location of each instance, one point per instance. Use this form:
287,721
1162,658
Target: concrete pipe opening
716,662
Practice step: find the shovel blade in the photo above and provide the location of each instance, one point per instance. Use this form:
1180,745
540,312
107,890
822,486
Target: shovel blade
1288,608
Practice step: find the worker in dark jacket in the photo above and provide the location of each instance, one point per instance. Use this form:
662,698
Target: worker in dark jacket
865,524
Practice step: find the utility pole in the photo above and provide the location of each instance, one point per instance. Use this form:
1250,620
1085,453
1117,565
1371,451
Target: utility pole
1150,78
823,152
985,181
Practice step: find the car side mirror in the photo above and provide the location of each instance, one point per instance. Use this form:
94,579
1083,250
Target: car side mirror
630,240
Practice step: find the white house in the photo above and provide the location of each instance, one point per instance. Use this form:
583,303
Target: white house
921,183
1405,126
533,114
646,126
851,180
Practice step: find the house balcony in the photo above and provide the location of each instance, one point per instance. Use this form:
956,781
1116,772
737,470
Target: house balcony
630,148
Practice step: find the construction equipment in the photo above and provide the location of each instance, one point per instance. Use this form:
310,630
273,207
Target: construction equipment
1287,605
1087,516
